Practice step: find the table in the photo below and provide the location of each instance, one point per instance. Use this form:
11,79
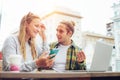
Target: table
53,74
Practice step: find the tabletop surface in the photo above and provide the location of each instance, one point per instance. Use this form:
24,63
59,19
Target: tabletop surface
54,74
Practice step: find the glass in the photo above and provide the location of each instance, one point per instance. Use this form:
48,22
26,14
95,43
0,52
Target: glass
15,62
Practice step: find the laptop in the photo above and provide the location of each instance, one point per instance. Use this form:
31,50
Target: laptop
102,56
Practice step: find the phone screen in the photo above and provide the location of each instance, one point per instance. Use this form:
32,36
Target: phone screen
53,53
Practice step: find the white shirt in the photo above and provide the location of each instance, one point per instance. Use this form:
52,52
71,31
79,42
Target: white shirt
60,58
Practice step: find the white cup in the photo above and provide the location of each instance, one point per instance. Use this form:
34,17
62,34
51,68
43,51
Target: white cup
15,62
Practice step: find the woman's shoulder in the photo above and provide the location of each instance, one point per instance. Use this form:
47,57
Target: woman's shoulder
11,39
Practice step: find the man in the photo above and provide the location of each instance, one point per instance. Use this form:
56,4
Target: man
69,56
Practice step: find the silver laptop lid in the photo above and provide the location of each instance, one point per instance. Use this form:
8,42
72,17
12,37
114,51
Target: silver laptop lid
102,56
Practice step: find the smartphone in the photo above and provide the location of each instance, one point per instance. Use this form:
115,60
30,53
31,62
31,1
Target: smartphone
52,56
53,53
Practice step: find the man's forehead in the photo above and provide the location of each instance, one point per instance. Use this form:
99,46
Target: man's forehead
61,26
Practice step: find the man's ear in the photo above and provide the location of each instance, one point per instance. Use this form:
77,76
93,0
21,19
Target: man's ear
70,33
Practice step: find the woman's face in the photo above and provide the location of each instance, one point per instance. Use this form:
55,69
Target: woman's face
33,28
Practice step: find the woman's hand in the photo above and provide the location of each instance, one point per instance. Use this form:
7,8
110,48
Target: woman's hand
42,32
44,61
81,56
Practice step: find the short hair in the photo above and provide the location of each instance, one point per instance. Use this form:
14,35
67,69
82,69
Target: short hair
70,25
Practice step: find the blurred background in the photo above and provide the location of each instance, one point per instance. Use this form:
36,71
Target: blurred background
95,20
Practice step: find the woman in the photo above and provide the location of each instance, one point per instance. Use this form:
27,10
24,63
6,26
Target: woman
24,44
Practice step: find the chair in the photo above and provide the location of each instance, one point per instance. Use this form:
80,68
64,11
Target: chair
0,55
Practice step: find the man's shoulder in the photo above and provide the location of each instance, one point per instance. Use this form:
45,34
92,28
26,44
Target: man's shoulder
53,44
77,47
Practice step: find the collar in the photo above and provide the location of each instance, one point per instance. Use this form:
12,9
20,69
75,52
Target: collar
71,46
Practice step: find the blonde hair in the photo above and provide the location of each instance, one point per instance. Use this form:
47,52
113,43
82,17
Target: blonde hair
22,33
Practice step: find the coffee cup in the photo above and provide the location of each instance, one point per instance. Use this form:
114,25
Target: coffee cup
15,62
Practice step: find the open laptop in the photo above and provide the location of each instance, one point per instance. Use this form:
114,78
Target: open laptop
102,56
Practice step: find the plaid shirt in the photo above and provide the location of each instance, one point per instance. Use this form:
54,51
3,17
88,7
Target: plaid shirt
71,63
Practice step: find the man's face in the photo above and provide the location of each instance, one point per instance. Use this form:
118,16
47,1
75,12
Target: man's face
62,33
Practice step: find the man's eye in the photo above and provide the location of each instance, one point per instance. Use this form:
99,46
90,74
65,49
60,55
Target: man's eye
37,26
61,31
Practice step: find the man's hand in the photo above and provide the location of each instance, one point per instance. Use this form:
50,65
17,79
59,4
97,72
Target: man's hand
81,56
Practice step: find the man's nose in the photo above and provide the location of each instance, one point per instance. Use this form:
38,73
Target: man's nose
57,33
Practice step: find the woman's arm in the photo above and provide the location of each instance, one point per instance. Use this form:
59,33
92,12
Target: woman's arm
10,47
